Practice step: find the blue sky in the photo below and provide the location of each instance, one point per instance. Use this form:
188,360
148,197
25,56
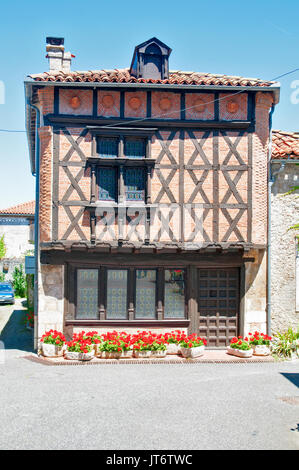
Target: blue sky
255,39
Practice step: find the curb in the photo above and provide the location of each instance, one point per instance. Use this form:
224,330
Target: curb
182,361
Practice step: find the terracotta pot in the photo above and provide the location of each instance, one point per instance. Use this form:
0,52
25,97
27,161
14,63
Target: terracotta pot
141,354
159,353
97,351
78,356
127,354
111,354
261,350
192,352
52,350
239,352
172,348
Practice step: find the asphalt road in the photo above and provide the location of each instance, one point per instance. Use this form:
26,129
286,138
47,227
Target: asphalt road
124,406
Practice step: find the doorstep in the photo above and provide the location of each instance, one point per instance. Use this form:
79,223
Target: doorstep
209,357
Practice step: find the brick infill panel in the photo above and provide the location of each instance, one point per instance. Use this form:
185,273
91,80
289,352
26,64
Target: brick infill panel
210,357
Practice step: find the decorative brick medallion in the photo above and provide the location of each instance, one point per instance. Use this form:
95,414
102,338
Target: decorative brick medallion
232,106
108,101
165,104
135,103
75,102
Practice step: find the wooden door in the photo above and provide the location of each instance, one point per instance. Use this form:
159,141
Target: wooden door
218,305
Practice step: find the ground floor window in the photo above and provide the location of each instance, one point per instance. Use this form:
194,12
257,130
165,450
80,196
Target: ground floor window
87,293
131,293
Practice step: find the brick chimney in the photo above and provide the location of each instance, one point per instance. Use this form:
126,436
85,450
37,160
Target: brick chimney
59,60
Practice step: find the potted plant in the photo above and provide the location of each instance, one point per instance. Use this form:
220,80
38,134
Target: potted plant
96,341
260,343
52,344
192,346
172,341
126,345
142,350
286,344
158,347
115,345
142,344
240,347
111,349
80,348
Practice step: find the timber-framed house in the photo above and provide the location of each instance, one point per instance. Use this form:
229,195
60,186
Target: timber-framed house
152,196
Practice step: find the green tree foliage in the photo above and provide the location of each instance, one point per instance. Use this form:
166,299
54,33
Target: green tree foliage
19,281
2,247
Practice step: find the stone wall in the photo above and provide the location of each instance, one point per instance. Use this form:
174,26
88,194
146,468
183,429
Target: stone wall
16,239
51,298
256,293
284,213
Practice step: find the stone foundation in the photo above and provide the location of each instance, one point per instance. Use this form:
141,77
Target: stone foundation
50,299
256,293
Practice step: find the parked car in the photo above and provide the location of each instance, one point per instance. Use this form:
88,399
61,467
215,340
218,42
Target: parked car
7,295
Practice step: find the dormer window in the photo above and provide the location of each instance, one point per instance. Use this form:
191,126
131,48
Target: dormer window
150,60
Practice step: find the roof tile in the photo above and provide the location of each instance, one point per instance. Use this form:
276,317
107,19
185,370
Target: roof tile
285,145
27,208
176,77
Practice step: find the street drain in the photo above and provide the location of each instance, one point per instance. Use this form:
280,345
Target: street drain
290,400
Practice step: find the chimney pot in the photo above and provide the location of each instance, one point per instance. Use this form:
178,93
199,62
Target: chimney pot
59,60
55,41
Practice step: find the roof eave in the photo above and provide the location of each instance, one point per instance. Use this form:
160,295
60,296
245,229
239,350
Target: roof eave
9,214
273,88
285,160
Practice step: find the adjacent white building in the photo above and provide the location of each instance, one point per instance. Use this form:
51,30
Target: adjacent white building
284,239
17,226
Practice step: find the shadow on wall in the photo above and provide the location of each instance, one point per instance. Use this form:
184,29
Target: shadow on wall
253,270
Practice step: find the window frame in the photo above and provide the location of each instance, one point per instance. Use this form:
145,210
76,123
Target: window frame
156,292
131,295
121,162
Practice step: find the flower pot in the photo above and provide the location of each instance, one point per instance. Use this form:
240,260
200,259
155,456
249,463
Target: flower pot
97,351
172,348
79,356
192,352
126,354
239,352
52,350
111,354
159,353
261,350
141,354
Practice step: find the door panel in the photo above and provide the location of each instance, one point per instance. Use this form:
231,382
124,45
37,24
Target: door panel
218,305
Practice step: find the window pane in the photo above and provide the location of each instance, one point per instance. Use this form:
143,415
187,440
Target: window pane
107,184
174,294
134,184
134,148
116,294
87,293
108,147
145,293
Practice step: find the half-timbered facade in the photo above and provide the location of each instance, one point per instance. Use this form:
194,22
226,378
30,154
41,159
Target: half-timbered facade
153,196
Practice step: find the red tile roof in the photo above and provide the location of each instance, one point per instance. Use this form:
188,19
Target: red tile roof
175,78
285,145
27,208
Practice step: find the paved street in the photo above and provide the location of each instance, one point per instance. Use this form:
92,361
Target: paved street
194,406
